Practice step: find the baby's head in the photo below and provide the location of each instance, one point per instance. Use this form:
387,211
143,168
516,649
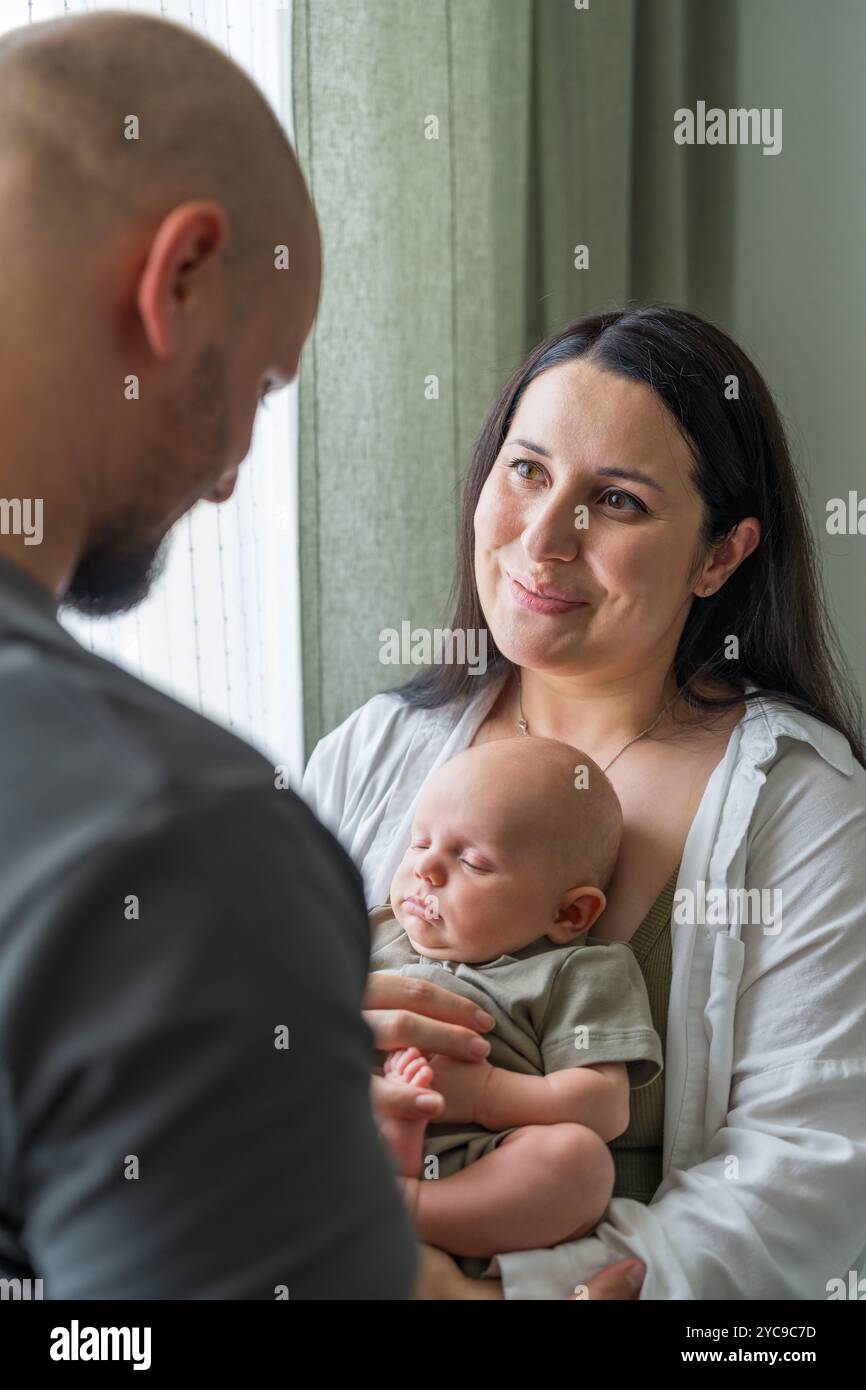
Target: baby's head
511,842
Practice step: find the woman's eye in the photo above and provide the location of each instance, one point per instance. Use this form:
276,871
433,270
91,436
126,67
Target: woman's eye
527,463
616,492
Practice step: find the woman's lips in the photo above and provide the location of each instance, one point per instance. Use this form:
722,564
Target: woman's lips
542,603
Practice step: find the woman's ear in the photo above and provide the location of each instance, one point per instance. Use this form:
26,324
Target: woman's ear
728,555
578,909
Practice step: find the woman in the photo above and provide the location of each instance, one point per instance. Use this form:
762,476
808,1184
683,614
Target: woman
634,544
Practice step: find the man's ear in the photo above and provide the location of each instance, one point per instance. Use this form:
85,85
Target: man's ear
578,909
178,271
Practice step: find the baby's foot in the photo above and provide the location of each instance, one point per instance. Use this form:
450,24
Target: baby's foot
405,1138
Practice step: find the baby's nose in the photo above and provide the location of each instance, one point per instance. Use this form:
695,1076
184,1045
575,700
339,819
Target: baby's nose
429,873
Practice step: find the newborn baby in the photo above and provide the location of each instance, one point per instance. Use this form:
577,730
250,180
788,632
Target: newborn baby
513,844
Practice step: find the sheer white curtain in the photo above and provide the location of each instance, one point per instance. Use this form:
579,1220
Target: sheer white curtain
220,630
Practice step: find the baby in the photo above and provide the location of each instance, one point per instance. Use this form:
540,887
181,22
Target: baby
513,844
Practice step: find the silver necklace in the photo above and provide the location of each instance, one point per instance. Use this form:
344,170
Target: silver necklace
523,724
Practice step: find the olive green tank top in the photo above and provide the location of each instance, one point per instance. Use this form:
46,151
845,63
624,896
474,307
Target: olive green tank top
637,1154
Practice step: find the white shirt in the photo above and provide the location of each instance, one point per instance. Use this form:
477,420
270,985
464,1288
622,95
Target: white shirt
763,1194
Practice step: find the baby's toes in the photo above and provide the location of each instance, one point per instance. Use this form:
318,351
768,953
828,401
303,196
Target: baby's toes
398,1061
414,1068
392,1063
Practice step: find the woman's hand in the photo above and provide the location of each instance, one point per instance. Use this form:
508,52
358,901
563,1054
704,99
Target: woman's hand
619,1281
440,1278
405,1012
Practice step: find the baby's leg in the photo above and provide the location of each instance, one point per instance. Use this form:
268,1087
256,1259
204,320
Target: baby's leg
405,1137
542,1185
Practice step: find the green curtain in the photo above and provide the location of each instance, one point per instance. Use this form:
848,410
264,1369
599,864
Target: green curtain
458,151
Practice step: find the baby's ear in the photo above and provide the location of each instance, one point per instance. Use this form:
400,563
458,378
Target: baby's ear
578,909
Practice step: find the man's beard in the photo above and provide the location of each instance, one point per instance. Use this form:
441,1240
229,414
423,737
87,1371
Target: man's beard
118,569
113,578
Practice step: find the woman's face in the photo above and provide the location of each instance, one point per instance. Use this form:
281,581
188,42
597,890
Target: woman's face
558,516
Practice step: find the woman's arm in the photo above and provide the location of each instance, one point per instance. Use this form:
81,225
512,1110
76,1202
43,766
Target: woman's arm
777,1207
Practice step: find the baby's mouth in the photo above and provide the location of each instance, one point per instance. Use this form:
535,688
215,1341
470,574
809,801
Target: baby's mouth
426,908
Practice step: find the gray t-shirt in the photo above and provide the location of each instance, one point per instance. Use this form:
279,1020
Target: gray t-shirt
167,917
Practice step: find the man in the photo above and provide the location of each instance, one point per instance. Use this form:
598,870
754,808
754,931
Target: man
184,1068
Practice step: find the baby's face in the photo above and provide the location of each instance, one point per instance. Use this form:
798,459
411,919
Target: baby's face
480,878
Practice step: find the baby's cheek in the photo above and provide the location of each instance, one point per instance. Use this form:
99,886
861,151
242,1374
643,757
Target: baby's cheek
480,913
397,891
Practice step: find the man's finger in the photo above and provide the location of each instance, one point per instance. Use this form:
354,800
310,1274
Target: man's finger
394,1028
401,1102
386,991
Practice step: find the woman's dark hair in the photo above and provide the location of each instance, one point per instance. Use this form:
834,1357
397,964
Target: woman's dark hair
773,601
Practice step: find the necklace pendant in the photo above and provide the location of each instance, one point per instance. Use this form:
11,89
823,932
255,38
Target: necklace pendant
523,727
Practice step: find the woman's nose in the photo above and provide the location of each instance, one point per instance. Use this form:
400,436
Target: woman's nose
552,533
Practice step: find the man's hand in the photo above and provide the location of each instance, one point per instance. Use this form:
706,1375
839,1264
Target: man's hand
406,1012
395,1100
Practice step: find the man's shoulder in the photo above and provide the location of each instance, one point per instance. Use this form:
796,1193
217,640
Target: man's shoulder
115,789
67,715
91,755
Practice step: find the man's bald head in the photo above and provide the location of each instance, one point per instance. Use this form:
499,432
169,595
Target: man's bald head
114,117
148,191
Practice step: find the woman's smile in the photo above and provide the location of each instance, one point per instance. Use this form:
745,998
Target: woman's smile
543,599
